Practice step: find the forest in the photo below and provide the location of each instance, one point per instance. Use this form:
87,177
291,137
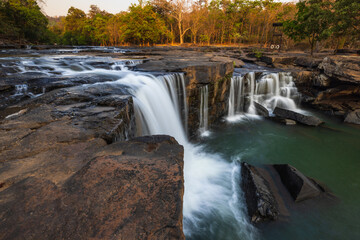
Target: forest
326,23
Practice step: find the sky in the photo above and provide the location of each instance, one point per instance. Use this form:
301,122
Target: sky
60,7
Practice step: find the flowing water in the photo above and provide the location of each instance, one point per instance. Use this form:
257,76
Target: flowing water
213,202
204,111
270,90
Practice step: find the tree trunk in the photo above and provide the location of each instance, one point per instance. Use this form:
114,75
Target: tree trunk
312,44
180,32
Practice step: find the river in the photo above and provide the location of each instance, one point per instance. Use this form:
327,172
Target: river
214,206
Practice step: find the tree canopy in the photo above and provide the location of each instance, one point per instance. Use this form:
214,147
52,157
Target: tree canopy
312,21
23,19
189,21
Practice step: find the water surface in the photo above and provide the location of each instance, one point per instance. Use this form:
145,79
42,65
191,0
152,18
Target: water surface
330,153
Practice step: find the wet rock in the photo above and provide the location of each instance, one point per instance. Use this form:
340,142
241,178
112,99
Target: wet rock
353,117
299,186
261,110
260,201
298,117
121,191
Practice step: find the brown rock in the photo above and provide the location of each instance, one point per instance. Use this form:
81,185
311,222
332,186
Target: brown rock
307,62
342,70
133,195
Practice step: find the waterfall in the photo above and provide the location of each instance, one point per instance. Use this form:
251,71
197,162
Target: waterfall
209,191
177,89
236,100
270,90
204,111
212,198
251,83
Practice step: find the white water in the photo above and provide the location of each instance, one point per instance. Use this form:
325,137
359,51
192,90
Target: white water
176,86
21,89
209,179
270,90
236,104
204,111
65,64
212,196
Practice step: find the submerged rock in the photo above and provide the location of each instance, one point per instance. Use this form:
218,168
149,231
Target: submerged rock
273,191
353,117
260,201
298,117
299,186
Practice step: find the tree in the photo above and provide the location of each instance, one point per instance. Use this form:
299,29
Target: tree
75,22
25,19
346,21
312,21
143,25
178,9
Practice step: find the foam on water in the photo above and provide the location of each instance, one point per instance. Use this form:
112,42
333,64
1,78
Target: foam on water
270,90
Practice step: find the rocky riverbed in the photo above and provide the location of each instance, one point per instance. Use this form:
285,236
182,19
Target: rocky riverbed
71,159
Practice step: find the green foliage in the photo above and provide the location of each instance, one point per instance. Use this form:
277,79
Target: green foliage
23,19
143,25
346,21
312,21
258,52
206,22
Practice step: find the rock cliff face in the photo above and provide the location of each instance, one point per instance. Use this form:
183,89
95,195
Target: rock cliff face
217,79
201,69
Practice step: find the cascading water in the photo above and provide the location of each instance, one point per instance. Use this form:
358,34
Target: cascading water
277,90
270,90
21,89
213,205
251,83
177,89
211,196
236,102
204,111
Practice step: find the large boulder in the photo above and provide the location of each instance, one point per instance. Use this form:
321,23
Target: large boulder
126,190
261,203
299,186
298,117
